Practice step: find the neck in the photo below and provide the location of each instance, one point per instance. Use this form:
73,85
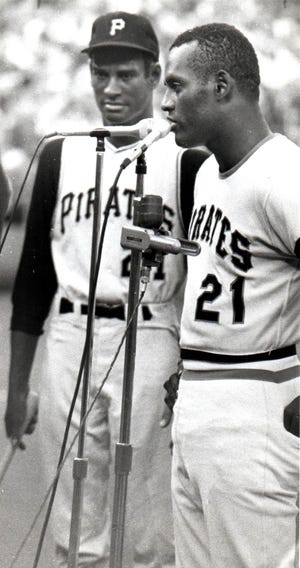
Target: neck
238,135
122,141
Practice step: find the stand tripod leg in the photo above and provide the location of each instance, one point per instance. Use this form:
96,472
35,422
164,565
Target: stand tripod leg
122,469
80,466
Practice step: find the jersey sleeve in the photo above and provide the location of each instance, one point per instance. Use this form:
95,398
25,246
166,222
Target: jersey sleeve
283,214
191,161
35,283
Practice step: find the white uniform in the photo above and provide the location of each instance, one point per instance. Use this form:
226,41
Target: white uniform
149,533
71,245
235,466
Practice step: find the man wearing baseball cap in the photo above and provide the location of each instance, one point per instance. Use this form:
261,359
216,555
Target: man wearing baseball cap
123,30
54,271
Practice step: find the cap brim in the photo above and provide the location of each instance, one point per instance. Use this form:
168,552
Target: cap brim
118,44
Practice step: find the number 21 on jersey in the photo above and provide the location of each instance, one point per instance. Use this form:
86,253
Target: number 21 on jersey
212,290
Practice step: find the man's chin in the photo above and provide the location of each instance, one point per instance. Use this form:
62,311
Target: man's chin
114,116
182,140
114,119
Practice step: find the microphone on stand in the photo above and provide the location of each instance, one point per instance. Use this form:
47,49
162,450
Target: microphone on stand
160,129
139,130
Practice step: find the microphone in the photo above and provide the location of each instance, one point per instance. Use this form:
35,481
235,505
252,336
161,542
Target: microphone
140,238
160,128
139,130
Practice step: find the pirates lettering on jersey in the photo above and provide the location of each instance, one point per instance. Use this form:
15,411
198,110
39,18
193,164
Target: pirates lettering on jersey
210,225
76,207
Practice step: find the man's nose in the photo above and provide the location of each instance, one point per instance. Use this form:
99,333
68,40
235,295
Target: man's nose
167,102
112,86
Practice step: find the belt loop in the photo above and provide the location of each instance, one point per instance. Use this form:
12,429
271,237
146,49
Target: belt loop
65,306
146,312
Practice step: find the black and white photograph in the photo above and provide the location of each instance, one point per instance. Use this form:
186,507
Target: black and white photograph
149,283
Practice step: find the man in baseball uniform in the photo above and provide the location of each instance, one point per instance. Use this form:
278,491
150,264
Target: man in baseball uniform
235,472
54,271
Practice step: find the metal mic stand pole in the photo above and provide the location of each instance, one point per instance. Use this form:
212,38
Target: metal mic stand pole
123,455
80,463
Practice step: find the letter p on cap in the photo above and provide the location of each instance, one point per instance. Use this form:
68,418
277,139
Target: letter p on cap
117,24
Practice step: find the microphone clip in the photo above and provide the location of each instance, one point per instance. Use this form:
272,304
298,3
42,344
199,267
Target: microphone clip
151,238
149,234
99,133
145,240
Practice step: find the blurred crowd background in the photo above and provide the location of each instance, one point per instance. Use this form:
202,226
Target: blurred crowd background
45,83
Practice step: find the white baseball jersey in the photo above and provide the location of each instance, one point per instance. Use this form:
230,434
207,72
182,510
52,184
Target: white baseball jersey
72,225
243,291
57,247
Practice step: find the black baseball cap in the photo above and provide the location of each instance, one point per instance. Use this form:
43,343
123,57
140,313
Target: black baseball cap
123,29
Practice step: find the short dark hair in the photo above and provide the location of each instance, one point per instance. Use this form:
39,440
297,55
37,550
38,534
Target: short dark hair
149,59
224,47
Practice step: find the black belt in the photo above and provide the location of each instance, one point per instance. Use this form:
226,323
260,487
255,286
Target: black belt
194,355
101,310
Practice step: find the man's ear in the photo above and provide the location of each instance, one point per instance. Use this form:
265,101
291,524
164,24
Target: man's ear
154,74
223,84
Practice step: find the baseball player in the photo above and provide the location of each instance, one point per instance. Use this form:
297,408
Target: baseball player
236,427
54,270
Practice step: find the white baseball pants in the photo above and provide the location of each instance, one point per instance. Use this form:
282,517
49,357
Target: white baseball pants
149,531
235,475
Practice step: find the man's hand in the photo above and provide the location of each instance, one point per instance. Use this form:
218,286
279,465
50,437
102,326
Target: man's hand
291,417
171,386
21,410
21,415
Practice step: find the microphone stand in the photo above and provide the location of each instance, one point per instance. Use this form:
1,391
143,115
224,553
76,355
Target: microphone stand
80,463
123,455
149,246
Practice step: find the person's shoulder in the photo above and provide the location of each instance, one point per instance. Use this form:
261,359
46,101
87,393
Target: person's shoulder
52,148
280,170
285,160
73,148
282,148
53,143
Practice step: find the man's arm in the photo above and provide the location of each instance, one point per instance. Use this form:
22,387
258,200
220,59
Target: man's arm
35,282
23,348
34,287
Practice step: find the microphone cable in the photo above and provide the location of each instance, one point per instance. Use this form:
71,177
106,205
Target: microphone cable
19,195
